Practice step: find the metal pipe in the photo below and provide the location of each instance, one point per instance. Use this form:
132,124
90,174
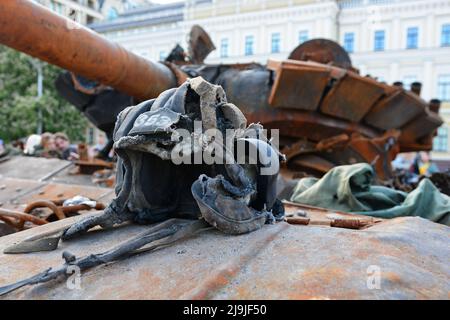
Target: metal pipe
33,29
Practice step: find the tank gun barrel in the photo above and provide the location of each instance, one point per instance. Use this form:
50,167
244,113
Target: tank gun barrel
33,29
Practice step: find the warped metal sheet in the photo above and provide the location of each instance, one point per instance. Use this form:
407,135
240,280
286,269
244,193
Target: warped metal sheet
279,261
11,189
58,191
352,96
420,127
298,85
67,176
395,110
32,168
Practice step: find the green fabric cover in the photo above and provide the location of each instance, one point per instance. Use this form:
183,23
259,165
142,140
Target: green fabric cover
349,188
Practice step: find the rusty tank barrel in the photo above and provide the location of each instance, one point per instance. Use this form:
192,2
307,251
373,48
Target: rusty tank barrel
31,28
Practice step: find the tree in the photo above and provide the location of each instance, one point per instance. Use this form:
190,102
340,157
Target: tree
19,104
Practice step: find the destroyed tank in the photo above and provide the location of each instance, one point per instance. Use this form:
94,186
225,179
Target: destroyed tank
313,257
326,112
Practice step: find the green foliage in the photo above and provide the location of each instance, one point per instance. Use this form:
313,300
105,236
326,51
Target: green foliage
19,105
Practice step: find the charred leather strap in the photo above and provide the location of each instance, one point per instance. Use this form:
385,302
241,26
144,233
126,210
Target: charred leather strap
161,235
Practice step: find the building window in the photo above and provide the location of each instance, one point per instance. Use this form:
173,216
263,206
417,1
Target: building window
89,19
302,36
57,7
224,48
412,36
407,81
378,44
112,13
444,87
349,42
90,136
90,4
440,142
445,35
275,42
162,55
249,41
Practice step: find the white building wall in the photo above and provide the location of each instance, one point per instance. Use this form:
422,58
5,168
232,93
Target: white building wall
396,62
163,39
318,18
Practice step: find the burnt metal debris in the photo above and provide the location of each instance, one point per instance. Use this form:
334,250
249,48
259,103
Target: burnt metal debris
231,194
315,97
35,191
155,237
328,114
310,262
58,210
145,146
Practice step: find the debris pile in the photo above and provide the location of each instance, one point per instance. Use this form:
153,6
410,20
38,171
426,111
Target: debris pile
150,138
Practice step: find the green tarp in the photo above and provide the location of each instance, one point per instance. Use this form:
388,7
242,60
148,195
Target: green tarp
349,188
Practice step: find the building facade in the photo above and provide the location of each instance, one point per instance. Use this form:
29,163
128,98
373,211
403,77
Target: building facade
393,40
150,31
91,11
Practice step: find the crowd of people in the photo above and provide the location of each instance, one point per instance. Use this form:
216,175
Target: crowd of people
54,145
50,145
411,167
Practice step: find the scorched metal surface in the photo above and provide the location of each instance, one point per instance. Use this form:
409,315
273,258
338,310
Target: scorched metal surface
279,261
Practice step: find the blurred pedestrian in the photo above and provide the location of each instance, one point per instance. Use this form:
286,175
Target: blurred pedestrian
427,167
47,147
33,142
2,147
67,151
416,164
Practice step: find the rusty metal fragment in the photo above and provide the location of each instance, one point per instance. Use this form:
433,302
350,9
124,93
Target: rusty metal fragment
298,85
200,44
327,217
352,96
396,110
317,263
323,51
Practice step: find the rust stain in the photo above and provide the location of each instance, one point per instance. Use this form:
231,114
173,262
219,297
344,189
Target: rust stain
225,273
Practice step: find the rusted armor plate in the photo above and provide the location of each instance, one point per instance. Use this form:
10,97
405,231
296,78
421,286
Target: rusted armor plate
420,127
56,191
352,96
313,262
299,85
11,189
32,168
396,110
